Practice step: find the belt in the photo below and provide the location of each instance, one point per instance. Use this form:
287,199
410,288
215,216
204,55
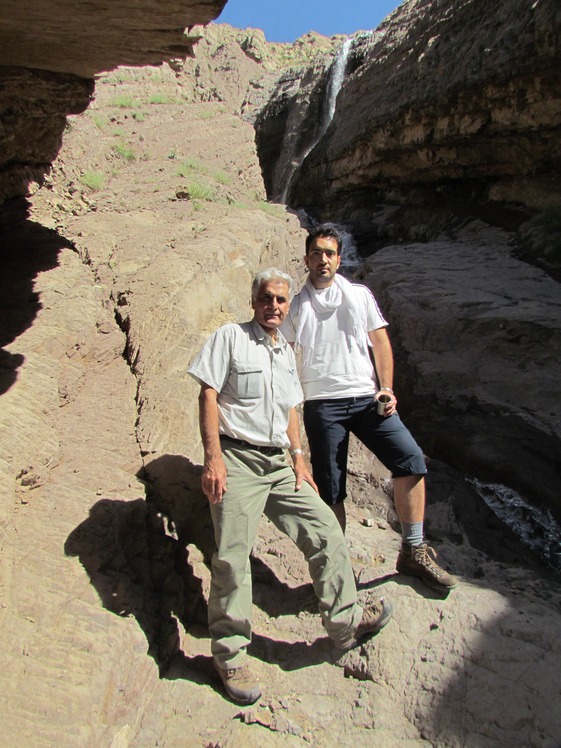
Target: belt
270,451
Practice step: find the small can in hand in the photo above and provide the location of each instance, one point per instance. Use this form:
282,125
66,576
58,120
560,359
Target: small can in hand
383,400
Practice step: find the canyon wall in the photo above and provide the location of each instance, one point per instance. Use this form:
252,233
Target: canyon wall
448,123
437,103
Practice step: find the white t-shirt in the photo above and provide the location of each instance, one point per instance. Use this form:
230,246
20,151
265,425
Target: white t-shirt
256,380
336,365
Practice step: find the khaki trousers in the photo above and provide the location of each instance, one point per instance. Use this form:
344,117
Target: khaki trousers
258,484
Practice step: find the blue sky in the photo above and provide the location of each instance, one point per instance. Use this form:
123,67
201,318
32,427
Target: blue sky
286,20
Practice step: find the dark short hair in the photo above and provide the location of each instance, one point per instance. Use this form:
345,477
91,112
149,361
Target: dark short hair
327,231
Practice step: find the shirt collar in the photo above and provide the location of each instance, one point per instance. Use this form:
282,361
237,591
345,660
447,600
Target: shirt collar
264,337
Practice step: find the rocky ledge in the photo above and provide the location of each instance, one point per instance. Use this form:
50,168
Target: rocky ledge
49,55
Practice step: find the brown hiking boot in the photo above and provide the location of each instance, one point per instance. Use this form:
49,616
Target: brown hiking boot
373,620
240,684
420,561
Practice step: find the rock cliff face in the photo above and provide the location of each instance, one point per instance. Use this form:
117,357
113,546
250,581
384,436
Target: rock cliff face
49,55
478,336
437,103
447,117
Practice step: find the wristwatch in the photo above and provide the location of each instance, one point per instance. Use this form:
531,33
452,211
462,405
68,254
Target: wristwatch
297,451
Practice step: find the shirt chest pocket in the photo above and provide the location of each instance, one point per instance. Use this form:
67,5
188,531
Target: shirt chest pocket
247,380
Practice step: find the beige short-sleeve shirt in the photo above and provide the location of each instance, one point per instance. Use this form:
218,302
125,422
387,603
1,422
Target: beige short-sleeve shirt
256,380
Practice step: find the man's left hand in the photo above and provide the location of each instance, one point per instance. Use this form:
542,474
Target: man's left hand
303,474
391,406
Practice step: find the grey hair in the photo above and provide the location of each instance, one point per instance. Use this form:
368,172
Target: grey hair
263,276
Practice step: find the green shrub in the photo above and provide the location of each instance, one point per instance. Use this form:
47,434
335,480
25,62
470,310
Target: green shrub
198,191
95,180
221,177
190,165
100,120
119,76
160,98
122,101
271,209
124,151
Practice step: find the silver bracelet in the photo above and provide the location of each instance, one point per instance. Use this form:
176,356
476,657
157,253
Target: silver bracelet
296,452
386,389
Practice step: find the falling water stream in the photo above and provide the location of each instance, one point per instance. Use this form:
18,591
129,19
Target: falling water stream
336,78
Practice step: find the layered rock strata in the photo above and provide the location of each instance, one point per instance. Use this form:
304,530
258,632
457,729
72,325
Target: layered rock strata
440,103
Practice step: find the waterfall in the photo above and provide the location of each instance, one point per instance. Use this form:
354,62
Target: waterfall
336,78
350,258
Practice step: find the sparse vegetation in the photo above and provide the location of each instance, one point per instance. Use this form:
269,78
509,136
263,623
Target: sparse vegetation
120,76
100,120
160,98
94,180
197,190
189,166
124,151
122,101
272,209
222,177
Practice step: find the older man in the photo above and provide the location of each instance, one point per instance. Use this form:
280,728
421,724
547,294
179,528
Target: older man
339,330
247,403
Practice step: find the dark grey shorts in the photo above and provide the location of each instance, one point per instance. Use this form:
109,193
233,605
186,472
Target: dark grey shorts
328,425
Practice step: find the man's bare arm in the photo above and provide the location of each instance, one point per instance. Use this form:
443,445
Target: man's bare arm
213,479
383,359
300,468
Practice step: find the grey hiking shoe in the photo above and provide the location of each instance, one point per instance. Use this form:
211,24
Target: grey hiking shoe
420,561
240,684
373,620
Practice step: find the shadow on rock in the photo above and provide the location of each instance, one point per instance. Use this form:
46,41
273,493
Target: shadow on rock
27,249
198,669
457,513
125,548
277,598
137,554
173,485
291,655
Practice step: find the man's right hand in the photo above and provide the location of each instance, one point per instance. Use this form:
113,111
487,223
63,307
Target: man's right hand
213,480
